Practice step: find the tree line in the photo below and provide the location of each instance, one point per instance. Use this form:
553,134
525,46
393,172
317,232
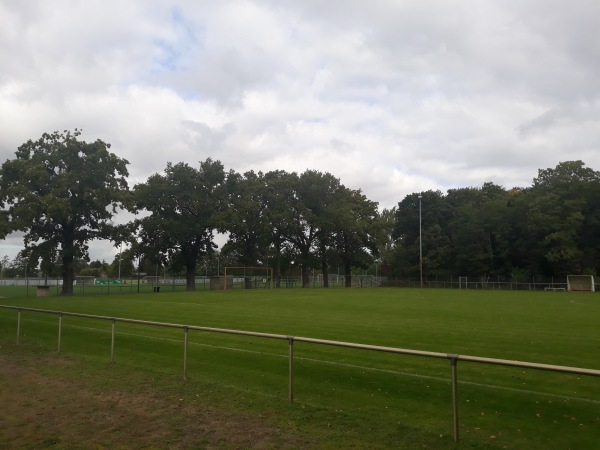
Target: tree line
62,193
550,229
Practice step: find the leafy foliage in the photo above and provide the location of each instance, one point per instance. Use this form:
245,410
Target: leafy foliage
62,193
182,206
549,229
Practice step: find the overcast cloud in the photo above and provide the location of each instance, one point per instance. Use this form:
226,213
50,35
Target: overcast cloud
392,97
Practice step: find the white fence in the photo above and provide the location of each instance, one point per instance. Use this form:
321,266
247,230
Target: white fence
452,358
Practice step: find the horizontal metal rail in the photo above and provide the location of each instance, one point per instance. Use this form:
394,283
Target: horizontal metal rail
453,358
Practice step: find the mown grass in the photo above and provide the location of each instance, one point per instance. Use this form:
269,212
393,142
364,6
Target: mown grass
355,398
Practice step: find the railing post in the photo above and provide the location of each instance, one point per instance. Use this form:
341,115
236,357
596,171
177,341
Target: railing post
112,342
59,330
291,369
185,349
453,363
18,325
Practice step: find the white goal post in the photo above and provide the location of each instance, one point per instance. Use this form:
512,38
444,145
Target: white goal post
249,277
82,280
583,283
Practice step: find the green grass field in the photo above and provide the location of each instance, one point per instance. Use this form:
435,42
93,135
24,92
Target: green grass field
357,398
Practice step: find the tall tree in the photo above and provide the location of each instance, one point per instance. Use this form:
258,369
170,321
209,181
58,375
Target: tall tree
321,195
62,193
309,217
4,266
279,194
244,219
357,232
479,243
435,211
560,198
182,205
299,226
387,243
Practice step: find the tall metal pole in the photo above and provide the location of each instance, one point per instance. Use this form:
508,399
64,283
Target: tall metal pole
420,243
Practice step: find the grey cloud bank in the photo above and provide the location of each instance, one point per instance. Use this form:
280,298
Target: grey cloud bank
392,97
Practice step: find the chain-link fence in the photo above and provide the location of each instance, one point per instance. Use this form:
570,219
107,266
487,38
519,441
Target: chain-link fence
107,286
553,284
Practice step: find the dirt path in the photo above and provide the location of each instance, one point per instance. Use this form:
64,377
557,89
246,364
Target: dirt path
50,411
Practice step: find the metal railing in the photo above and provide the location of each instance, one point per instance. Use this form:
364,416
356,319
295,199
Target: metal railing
453,358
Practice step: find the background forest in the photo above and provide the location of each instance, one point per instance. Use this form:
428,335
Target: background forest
62,193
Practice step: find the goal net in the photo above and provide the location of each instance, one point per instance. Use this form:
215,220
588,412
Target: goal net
81,280
244,277
580,283
152,280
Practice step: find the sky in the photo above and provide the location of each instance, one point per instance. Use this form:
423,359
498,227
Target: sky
390,96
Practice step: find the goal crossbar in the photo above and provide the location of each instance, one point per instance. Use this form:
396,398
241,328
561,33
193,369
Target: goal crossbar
267,270
580,283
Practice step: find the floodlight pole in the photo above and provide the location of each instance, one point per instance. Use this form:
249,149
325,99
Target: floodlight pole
420,243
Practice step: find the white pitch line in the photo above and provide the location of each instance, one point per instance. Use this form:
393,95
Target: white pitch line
354,366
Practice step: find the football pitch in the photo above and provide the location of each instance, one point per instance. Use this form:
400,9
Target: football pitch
357,398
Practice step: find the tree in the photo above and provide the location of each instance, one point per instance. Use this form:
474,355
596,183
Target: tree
323,201
4,265
357,231
279,193
387,244
305,220
182,204
436,250
436,211
563,208
63,193
480,244
122,265
244,217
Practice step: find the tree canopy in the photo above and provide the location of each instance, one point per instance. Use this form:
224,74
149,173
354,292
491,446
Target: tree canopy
182,206
551,228
62,193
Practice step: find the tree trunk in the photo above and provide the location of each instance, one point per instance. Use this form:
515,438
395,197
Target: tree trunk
323,249
67,262
277,269
277,263
67,276
305,276
325,271
190,278
347,275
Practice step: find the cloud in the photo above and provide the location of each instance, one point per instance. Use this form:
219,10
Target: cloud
391,97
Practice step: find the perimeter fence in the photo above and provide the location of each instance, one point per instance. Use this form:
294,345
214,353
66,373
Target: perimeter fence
558,284
106,286
452,358
149,284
